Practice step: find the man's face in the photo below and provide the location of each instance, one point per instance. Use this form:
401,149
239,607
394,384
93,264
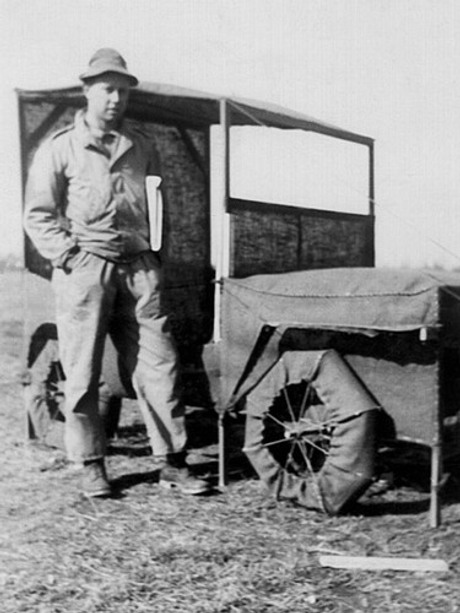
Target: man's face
107,97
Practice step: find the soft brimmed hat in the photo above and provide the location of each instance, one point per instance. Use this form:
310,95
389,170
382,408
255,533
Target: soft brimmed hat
107,60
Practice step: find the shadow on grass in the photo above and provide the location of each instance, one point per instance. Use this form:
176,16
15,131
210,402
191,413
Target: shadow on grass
413,483
130,480
237,469
130,451
400,507
203,452
201,427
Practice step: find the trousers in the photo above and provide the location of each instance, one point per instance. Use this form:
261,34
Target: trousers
98,297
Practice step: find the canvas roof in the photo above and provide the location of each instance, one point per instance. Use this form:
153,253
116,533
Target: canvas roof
174,104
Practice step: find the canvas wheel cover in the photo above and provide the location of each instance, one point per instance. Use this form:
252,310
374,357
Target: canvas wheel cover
348,412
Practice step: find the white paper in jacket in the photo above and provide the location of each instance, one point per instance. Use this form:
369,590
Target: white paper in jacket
155,210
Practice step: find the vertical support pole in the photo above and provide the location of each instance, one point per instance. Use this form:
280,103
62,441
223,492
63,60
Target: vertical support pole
24,146
436,448
371,180
371,230
436,468
223,265
221,445
29,430
225,122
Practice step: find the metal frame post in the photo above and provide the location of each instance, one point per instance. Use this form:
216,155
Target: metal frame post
437,450
223,259
222,266
371,231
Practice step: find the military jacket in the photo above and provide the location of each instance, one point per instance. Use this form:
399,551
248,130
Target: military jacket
81,196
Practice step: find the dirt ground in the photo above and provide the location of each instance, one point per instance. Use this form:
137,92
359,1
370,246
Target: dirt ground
233,551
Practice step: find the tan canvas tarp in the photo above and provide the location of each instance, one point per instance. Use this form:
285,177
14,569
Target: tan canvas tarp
372,317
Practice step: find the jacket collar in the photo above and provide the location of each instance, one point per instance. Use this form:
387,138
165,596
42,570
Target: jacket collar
89,139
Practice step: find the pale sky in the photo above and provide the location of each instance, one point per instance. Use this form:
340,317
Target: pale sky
389,69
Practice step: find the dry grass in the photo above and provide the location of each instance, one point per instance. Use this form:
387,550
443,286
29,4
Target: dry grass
153,551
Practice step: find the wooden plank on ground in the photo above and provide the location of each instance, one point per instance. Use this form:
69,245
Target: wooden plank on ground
384,563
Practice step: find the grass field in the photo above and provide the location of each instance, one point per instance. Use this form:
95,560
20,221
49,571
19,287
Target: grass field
236,551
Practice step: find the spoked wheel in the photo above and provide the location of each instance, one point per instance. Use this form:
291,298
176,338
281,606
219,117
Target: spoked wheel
296,431
44,388
310,431
54,389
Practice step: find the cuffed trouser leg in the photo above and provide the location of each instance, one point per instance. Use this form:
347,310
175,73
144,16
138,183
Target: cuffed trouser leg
140,333
83,300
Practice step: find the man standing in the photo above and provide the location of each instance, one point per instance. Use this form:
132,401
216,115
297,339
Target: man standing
86,211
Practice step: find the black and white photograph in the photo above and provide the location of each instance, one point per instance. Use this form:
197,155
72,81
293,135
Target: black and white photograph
230,306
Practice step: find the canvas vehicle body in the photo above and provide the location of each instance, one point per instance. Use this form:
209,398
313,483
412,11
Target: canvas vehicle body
245,325
253,238
248,240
